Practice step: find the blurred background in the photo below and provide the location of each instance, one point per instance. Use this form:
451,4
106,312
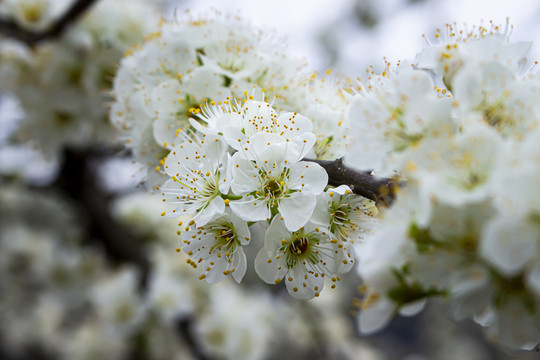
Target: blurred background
350,35
88,268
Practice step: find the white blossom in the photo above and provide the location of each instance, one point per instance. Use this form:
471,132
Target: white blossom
275,181
458,46
216,248
303,257
116,301
347,215
395,112
198,178
62,84
240,122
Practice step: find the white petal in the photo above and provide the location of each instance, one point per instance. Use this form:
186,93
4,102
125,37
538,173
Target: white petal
215,207
274,234
297,209
301,123
232,134
308,176
376,316
413,308
300,287
251,209
321,213
239,263
203,83
270,269
244,177
509,243
267,147
304,142
240,228
216,274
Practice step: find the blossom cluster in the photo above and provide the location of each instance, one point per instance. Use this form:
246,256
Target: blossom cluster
193,104
62,85
194,60
465,146
244,167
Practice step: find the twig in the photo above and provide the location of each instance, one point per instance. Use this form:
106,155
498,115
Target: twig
79,181
13,30
184,330
381,190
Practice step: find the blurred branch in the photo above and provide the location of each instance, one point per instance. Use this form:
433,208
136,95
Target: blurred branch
11,29
184,329
78,180
381,190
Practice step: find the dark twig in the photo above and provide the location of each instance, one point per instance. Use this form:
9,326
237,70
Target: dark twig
13,30
184,328
380,190
79,181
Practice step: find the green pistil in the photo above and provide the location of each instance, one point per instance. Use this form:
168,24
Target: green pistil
496,113
513,288
322,147
231,197
404,139
473,180
63,118
300,246
273,189
405,292
225,237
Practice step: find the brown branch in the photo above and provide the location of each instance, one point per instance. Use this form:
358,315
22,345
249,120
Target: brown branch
184,328
79,181
381,190
13,30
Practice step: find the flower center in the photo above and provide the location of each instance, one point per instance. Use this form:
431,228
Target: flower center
273,189
63,118
226,236
299,246
497,116
225,239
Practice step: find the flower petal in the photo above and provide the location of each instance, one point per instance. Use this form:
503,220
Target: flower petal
270,269
297,209
251,209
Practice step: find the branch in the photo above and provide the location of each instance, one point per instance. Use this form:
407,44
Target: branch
78,180
13,30
380,190
184,329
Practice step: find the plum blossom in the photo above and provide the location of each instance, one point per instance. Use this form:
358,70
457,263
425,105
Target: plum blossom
303,257
348,214
276,181
216,248
198,178
239,122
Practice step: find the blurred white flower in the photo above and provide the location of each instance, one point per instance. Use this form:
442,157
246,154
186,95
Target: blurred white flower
117,302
